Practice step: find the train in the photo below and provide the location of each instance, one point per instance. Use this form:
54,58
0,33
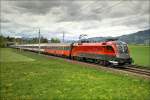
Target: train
112,52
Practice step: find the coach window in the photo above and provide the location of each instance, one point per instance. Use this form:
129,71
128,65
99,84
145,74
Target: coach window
66,48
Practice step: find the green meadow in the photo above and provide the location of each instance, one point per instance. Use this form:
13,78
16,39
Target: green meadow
140,55
29,76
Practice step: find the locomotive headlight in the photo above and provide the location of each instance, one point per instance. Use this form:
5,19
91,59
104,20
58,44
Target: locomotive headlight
117,55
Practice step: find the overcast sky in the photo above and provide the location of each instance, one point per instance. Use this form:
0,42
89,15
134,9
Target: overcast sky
95,18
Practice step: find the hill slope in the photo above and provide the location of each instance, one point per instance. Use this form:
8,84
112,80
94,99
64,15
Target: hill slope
141,37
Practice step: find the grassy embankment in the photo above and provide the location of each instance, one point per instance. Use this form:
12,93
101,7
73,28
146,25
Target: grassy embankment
28,76
140,55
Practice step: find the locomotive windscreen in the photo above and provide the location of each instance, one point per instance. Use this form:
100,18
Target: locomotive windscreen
122,47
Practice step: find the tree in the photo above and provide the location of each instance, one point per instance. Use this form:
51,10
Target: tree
55,40
10,39
36,40
44,40
2,41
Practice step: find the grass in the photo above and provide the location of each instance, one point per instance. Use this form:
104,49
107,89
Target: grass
7,56
54,79
140,55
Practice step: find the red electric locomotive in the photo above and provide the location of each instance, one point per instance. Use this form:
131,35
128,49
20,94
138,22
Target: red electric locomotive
106,53
110,52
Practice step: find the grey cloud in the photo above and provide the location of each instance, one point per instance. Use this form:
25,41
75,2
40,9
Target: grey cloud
43,7
106,9
74,13
70,8
136,21
5,21
139,21
36,7
123,9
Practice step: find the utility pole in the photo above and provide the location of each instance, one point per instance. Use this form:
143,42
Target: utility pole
63,37
39,41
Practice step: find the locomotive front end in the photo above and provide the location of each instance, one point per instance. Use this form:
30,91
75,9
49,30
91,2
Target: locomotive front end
122,53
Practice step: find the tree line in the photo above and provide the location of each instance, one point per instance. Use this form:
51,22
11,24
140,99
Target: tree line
6,41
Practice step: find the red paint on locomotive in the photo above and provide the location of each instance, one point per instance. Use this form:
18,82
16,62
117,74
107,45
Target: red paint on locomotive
104,48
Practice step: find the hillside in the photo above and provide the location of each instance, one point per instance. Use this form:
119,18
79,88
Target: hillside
141,37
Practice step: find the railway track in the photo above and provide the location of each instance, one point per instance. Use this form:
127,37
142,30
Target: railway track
134,69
